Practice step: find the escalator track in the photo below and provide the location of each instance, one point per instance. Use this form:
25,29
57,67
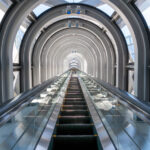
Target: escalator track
74,129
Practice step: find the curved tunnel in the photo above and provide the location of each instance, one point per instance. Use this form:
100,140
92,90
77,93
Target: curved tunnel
79,35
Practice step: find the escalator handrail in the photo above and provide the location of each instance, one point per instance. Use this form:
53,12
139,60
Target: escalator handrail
25,96
142,106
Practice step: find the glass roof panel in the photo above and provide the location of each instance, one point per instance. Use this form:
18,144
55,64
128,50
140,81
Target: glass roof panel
40,9
106,9
129,41
2,13
146,14
4,5
17,44
126,31
144,7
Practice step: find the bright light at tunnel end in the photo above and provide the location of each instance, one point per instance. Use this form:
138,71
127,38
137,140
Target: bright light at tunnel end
73,1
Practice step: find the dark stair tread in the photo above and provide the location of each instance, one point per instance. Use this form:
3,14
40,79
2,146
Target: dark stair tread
72,119
74,103
74,98
88,142
84,107
75,88
74,129
85,137
74,106
73,93
74,112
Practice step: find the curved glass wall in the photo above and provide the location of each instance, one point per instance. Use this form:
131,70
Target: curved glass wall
4,5
106,9
146,14
129,41
40,9
25,127
17,44
16,50
126,129
144,7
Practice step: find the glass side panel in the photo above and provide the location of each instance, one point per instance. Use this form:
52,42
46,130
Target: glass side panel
126,130
24,129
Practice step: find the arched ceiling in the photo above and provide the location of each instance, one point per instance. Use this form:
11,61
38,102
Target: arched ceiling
76,33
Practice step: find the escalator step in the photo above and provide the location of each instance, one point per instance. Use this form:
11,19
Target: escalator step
64,107
74,119
74,92
82,142
74,86
74,113
74,98
74,89
74,129
74,103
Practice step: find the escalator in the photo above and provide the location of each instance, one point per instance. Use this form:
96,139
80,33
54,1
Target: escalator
74,129
74,113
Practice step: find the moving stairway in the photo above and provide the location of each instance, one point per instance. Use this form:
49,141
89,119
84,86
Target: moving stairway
74,129
33,116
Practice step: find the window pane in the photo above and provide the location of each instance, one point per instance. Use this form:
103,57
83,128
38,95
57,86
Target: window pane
2,13
131,82
17,44
40,9
146,14
106,9
18,39
129,41
16,84
4,5
144,7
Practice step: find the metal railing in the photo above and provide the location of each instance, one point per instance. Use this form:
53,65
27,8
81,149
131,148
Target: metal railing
22,98
141,107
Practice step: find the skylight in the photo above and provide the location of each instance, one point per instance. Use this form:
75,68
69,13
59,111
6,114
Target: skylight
1,15
129,41
146,14
40,9
126,31
106,9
